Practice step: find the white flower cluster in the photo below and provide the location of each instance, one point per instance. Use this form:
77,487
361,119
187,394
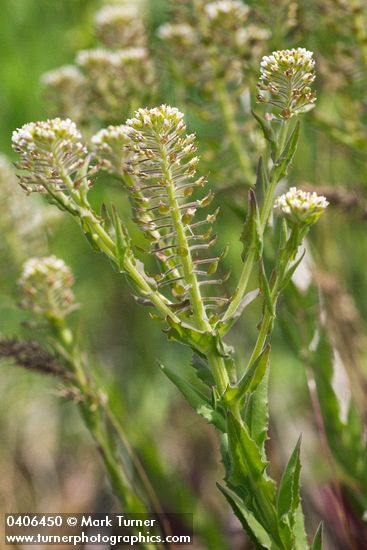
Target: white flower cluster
32,134
288,62
48,150
215,10
45,285
177,31
301,206
65,75
285,78
164,116
113,14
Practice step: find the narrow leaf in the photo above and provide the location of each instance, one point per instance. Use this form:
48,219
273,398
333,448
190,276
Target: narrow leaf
224,327
288,497
252,378
196,399
251,236
121,244
317,541
255,531
286,157
257,414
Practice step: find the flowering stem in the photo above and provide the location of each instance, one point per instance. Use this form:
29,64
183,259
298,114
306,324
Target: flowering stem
264,216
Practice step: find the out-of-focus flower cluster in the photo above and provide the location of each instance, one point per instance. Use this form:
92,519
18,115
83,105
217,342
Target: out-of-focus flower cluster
66,90
23,221
119,26
108,81
285,78
116,78
218,42
51,153
110,148
46,287
301,207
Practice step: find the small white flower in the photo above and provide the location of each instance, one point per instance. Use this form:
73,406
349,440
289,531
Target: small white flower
301,206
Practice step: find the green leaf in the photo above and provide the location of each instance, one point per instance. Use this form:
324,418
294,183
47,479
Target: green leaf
251,236
198,341
265,289
267,130
196,399
255,531
224,327
299,530
202,368
287,155
288,497
251,379
256,413
121,242
248,477
317,541
290,272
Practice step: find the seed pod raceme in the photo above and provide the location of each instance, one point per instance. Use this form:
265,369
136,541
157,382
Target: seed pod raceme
164,165
53,159
285,79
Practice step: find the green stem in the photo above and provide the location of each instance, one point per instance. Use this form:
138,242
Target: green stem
219,370
264,216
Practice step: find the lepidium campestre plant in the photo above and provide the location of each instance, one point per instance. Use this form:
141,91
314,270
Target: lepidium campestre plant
157,162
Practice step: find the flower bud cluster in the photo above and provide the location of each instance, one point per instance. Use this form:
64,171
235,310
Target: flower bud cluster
110,148
46,287
51,152
285,78
119,26
301,207
66,90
